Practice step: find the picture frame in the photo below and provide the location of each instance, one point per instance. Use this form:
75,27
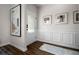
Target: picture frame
15,21
61,18
76,17
47,19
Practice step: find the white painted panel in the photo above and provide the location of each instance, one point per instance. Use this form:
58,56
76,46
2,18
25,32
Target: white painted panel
76,38
57,36
67,37
41,35
47,35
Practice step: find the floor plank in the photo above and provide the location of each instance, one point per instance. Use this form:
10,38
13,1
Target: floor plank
14,50
33,49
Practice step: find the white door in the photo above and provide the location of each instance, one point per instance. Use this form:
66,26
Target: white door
32,28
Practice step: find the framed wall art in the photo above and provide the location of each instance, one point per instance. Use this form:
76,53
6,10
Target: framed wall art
15,24
76,17
47,19
61,18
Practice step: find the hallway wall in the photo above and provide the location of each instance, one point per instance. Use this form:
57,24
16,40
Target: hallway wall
5,37
61,34
19,42
4,24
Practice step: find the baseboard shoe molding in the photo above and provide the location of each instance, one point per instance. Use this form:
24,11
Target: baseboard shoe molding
59,45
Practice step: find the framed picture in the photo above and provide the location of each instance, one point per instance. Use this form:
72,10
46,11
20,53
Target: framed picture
47,19
76,17
15,24
61,18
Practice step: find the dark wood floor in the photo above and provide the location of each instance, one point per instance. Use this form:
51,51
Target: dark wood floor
13,50
33,49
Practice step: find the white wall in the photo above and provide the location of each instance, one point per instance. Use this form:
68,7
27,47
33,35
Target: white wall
27,37
19,42
4,24
62,34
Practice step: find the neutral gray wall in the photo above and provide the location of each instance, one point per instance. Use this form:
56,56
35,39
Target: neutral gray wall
19,42
61,34
4,24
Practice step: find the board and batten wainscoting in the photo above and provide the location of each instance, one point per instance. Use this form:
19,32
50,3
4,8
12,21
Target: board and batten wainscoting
68,39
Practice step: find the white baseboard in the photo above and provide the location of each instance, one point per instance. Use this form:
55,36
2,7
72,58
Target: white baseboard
21,48
4,44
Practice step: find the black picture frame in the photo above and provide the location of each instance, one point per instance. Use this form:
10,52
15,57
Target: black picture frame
18,24
76,17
